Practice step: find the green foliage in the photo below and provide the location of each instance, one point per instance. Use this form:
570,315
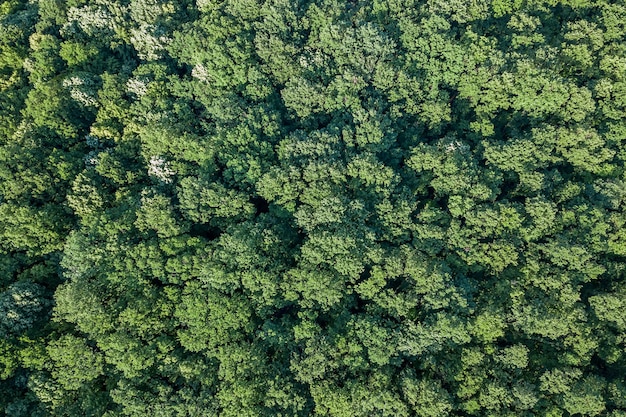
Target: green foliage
75,363
296,208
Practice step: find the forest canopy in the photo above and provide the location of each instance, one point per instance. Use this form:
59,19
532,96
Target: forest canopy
356,208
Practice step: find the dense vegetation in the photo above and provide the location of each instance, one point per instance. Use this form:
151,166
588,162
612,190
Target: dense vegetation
313,208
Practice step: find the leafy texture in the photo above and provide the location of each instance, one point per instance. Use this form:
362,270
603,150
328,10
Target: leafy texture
296,208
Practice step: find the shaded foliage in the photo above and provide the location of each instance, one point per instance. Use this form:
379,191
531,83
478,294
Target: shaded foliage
294,208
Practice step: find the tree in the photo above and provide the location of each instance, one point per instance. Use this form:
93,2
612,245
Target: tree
296,208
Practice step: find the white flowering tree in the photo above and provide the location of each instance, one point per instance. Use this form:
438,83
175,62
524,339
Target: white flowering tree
93,19
160,169
82,88
149,41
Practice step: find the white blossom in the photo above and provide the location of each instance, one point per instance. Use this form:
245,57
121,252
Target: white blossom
147,42
457,145
91,19
304,62
137,86
161,169
72,81
200,72
81,90
83,98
